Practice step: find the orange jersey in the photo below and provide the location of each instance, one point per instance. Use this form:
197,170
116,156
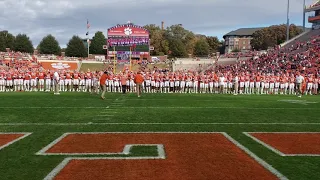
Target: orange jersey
9,77
27,76
33,75
258,78
41,75
89,75
76,76
68,76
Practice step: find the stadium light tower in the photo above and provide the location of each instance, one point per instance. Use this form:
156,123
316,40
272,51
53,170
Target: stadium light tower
288,25
304,16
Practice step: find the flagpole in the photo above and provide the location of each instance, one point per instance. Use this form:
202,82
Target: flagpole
114,59
130,58
304,16
288,25
88,46
88,26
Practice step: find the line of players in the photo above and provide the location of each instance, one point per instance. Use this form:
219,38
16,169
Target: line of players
244,83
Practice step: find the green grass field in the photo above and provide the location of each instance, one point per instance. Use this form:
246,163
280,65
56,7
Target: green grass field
48,117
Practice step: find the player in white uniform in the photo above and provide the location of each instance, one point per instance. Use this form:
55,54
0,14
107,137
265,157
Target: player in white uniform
48,82
2,82
62,83
183,85
148,84
88,81
309,80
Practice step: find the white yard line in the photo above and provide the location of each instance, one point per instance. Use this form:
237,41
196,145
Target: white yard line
202,100
53,107
152,123
160,107
106,115
108,112
217,107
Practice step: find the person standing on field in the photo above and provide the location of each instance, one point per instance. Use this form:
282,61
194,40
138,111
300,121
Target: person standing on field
103,86
56,79
299,83
124,78
138,79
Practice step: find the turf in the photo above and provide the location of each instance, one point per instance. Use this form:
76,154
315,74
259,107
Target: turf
82,112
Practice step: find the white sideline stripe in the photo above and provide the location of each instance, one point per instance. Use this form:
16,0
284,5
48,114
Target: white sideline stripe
154,123
206,107
150,107
53,107
278,152
255,157
202,100
161,153
11,142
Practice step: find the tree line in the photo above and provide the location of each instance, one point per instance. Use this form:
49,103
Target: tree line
174,41
273,35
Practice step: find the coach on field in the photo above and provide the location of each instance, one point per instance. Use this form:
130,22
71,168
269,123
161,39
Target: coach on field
103,86
138,79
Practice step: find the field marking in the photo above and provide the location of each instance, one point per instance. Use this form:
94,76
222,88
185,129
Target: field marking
60,166
248,134
103,112
63,164
106,115
206,107
18,139
255,157
53,107
126,149
152,123
150,107
303,102
202,100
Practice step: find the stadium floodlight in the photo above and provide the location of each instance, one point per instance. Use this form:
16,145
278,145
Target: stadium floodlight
288,25
304,16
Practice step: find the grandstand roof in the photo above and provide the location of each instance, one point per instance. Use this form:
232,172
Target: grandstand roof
315,6
248,31
243,32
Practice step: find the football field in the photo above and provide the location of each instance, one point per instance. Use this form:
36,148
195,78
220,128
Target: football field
158,136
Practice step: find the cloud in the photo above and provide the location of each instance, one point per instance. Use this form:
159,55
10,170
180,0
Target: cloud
64,18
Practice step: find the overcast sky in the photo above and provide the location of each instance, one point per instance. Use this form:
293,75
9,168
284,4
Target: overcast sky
64,18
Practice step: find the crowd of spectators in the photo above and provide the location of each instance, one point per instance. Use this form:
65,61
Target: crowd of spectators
301,56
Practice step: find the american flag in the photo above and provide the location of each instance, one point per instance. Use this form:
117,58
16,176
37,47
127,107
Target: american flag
88,25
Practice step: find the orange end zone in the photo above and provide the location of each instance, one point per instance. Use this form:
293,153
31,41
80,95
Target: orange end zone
290,144
7,139
188,156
